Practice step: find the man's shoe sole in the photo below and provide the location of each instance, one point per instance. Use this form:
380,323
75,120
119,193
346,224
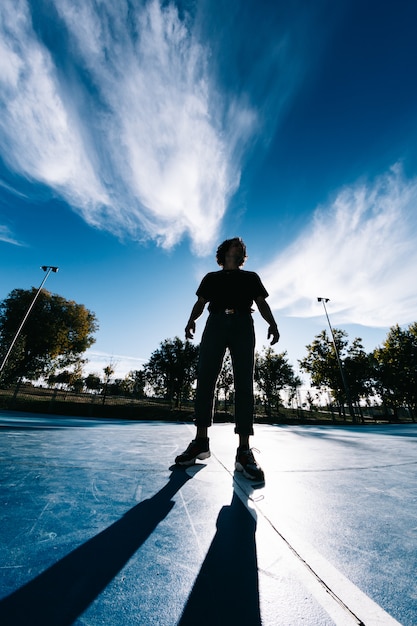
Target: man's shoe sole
201,456
239,467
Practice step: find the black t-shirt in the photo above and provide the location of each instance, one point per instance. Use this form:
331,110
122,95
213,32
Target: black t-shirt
231,289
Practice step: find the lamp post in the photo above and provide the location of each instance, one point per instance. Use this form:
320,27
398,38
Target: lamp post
48,269
339,362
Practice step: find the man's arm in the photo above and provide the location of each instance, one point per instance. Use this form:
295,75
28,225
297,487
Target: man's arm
265,311
197,310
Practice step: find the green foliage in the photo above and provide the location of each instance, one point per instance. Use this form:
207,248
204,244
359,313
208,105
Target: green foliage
395,373
172,369
54,336
134,383
321,361
69,379
273,373
358,367
324,368
93,382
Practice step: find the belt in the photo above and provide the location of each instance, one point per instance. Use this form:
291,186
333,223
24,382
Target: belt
236,311
231,311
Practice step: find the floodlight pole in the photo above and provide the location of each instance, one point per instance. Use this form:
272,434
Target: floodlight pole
339,362
48,269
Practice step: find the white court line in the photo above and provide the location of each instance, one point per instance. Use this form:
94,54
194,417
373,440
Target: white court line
344,602
190,521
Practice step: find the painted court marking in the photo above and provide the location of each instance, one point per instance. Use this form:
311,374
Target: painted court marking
344,602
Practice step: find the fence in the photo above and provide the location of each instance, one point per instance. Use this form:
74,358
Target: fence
26,397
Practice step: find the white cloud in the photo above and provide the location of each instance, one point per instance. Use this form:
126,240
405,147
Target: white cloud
37,135
121,364
7,236
360,251
155,151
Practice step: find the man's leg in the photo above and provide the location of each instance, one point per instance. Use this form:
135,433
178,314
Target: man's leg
212,349
244,441
242,351
243,357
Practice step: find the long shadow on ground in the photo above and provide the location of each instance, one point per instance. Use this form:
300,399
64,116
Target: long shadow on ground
64,591
226,591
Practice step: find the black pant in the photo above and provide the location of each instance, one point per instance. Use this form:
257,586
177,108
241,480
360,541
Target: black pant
235,332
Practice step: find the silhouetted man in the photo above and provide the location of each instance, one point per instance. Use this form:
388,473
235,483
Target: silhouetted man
230,294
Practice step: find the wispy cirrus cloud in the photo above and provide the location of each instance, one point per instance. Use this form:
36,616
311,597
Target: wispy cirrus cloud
120,108
121,364
38,138
122,118
7,236
359,251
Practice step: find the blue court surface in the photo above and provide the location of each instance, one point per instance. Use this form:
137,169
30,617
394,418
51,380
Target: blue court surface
97,527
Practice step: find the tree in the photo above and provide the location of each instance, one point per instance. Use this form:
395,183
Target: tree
273,373
69,379
62,378
321,362
108,373
55,335
396,369
225,380
134,383
172,369
93,382
358,366
117,387
322,365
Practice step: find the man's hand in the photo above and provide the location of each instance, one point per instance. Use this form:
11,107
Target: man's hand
266,313
198,308
190,330
274,333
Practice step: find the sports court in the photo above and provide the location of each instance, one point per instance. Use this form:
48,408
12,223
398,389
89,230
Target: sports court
98,528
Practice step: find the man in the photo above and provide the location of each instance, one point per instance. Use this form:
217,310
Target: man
230,293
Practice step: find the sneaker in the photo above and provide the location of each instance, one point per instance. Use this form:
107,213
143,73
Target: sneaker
246,463
198,449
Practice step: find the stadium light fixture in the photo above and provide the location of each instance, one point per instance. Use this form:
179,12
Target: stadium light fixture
339,362
48,269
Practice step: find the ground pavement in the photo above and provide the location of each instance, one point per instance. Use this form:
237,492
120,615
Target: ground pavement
98,528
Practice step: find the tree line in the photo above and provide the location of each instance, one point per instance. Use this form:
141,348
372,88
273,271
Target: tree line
55,337
386,376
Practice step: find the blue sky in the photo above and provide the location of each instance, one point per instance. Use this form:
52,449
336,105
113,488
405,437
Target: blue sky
135,136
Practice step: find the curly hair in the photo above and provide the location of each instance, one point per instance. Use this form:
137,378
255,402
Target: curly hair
224,247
